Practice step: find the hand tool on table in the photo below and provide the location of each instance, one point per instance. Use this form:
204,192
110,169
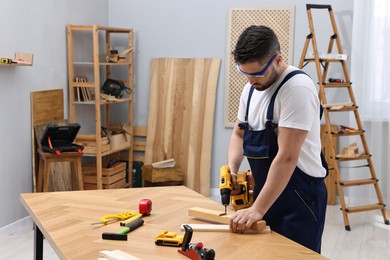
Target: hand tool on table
194,251
107,219
167,238
144,209
122,234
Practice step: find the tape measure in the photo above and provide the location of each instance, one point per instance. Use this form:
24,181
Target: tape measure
145,207
6,60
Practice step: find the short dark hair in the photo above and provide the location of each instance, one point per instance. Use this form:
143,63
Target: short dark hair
256,43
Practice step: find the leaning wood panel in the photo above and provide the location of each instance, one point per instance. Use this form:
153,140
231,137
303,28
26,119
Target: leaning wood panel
181,116
46,106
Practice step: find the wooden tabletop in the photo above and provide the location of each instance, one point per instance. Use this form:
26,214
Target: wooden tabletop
65,220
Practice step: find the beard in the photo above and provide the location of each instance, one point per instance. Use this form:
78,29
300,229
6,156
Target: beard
273,77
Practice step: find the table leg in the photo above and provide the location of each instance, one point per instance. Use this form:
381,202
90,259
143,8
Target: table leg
38,243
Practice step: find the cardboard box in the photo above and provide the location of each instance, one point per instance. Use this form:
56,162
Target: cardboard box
151,174
113,177
119,141
89,143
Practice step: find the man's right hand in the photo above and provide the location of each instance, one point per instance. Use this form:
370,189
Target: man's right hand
236,187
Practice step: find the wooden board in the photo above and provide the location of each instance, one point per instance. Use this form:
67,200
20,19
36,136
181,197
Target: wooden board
213,215
181,117
222,228
46,106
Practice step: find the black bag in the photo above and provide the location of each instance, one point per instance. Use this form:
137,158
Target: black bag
114,88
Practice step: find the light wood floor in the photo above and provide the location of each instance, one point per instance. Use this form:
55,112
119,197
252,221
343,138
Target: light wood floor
369,239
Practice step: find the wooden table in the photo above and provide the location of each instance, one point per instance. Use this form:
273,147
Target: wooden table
64,219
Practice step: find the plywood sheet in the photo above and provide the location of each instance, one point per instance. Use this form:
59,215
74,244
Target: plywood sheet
46,106
181,116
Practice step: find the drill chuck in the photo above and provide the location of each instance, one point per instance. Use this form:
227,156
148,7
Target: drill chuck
225,196
225,185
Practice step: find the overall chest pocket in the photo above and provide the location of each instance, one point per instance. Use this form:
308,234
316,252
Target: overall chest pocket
257,144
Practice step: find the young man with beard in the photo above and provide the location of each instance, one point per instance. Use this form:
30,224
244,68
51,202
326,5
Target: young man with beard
278,130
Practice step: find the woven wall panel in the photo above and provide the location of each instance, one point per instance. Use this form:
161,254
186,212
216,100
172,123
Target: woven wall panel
281,20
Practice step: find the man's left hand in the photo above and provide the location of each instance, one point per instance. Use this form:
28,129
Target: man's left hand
244,218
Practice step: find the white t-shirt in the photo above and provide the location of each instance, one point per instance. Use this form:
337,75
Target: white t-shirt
296,106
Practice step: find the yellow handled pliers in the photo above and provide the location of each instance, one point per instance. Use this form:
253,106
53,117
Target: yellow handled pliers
107,219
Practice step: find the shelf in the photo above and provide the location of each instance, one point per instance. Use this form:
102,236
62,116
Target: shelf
25,59
88,63
358,182
83,90
114,63
362,157
122,100
336,85
14,64
108,152
324,60
343,109
356,132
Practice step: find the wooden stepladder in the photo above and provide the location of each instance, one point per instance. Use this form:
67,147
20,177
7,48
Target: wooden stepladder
349,154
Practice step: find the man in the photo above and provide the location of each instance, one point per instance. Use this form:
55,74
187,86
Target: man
278,130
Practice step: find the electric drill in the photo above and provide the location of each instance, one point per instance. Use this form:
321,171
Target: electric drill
245,183
241,200
225,185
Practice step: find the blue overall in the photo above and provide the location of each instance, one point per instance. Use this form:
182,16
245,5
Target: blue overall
299,212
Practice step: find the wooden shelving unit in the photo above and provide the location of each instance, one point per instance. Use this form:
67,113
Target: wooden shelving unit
98,41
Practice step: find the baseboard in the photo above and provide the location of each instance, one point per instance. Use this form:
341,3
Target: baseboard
6,230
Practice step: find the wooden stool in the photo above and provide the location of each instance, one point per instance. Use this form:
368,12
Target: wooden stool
44,162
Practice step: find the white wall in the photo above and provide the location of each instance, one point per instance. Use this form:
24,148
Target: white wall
197,29
169,28
37,27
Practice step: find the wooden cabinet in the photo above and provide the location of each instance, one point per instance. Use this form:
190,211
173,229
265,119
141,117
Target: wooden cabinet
92,60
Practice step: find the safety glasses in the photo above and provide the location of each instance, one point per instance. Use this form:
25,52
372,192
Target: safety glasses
260,74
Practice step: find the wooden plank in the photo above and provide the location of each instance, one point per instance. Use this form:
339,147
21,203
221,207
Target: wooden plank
213,215
220,228
181,116
46,106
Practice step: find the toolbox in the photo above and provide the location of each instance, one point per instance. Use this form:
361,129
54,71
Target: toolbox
59,138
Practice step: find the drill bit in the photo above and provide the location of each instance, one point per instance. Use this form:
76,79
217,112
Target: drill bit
225,213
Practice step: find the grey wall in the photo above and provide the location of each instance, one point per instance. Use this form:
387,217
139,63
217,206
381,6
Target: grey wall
170,28
195,29
37,27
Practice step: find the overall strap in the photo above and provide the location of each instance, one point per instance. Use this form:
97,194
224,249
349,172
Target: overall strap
270,111
248,102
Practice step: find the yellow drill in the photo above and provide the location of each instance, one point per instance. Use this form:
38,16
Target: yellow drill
225,185
240,200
